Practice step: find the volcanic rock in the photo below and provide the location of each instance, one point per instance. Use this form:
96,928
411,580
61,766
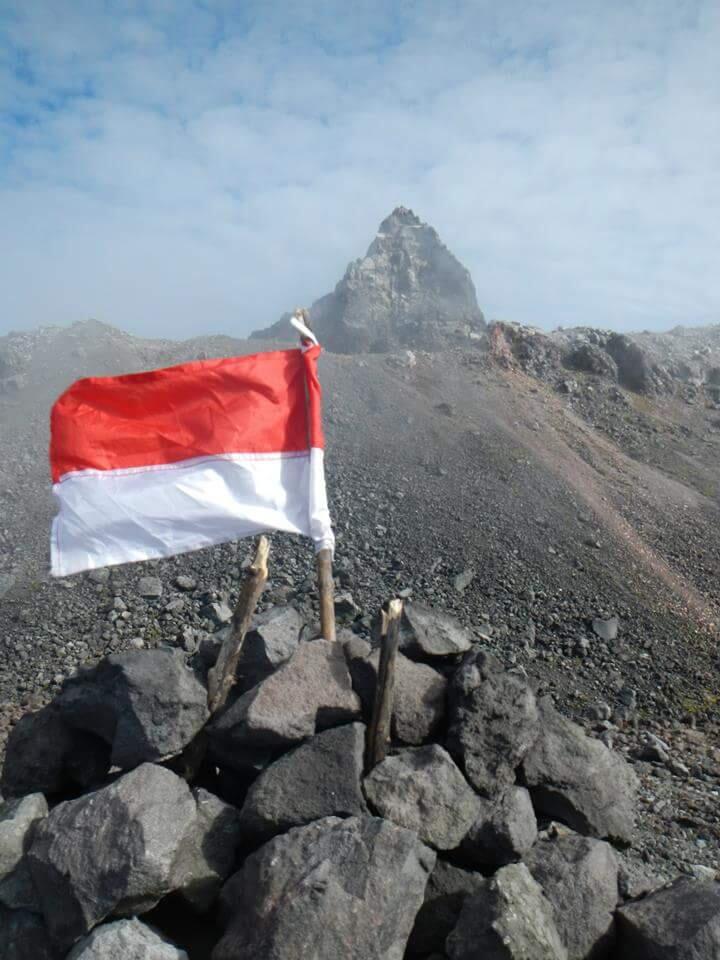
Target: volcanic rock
422,789
272,640
578,780
321,778
351,888
635,370
183,582
635,880
44,755
311,691
207,854
445,894
150,587
510,919
579,877
418,695
494,721
126,939
112,851
504,830
407,291
23,936
146,703
217,611
18,819
426,632
678,922
512,344
463,579
606,629
100,576
345,606
591,358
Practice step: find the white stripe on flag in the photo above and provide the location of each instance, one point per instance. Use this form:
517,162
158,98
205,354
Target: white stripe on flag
108,517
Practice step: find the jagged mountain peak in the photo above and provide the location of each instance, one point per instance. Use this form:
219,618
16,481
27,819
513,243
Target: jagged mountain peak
408,290
400,217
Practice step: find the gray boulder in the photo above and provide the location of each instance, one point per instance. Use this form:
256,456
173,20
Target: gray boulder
309,692
208,853
321,778
447,889
504,830
18,820
272,640
678,922
635,879
23,936
579,877
44,755
217,611
636,371
422,789
146,703
125,940
494,721
579,781
114,851
335,888
591,358
150,587
510,919
426,632
418,697
606,629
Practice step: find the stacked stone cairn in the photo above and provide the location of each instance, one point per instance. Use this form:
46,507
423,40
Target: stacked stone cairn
493,828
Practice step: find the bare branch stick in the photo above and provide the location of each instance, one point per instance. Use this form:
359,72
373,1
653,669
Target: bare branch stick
379,731
323,561
222,676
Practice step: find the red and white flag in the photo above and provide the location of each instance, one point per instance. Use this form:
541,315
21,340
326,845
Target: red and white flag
153,464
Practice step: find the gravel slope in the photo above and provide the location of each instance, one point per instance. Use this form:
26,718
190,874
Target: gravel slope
560,509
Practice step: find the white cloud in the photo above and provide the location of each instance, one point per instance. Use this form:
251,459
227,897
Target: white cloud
175,167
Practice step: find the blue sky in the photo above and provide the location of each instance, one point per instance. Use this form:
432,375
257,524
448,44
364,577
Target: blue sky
177,167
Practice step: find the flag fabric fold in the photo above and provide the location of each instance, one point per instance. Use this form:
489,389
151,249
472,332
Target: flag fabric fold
153,464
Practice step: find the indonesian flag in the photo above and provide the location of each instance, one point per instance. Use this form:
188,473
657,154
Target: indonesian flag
153,464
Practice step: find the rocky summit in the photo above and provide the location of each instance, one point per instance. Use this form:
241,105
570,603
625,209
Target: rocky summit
308,844
407,291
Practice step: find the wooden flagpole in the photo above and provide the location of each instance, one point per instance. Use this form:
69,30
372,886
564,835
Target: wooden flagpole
323,563
323,559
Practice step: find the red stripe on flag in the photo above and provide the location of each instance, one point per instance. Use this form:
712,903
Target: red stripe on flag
263,403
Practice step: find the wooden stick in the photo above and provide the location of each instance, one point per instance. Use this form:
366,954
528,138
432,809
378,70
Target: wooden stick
323,561
379,731
222,676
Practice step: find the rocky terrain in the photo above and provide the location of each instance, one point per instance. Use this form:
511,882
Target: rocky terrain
265,828
557,492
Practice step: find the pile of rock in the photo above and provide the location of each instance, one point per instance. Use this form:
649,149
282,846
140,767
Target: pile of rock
490,830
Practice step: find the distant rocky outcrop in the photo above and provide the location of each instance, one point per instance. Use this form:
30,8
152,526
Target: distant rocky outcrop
407,291
652,364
